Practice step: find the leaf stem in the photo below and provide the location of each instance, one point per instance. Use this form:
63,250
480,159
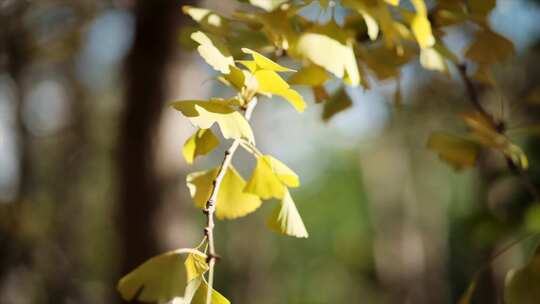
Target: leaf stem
499,127
212,201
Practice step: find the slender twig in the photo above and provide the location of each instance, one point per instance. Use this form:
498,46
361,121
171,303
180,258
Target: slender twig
212,201
499,127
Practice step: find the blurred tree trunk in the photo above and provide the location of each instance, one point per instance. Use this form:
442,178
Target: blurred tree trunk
156,32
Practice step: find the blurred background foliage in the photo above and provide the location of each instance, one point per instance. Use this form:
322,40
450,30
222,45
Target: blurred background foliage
92,177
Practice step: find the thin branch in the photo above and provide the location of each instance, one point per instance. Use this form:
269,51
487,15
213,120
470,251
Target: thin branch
498,126
212,201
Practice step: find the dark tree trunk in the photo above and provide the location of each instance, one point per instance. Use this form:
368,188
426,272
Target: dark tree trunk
156,32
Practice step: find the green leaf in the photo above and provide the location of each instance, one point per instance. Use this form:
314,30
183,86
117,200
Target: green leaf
270,178
338,102
204,114
200,143
213,51
331,54
286,219
161,278
200,296
457,151
522,286
232,201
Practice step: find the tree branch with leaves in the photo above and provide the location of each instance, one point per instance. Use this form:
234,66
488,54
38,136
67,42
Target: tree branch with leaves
222,192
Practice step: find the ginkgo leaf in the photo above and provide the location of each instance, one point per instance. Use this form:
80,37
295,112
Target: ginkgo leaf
235,78
286,219
270,178
213,51
522,286
232,201
457,151
195,266
200,143
311,75
335,57
204,114
486,134
421,28
371,24
339,101
431,59
489,47
264,63
392,2
271,83
200,296
208,20
267,5
159,279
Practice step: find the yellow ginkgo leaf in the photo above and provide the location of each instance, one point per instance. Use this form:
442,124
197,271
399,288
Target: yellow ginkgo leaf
270,178
286,219
159,279
213,51
249,64
420,25
457,151
271,83
235,78
335,57
232,201
421,29
267,5
200,143
204,114
371,24
311,75
392,2
264,63
200,296
431,59
195,266
208,20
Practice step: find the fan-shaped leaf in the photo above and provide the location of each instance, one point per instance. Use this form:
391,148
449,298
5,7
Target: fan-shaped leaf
200,296
232,201
213,51
264,63
200,143
286,219
311,75
335,57
161,278
270,177
204,114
